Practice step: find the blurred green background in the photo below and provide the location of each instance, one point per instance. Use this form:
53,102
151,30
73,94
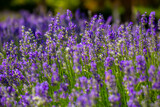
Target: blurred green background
124,10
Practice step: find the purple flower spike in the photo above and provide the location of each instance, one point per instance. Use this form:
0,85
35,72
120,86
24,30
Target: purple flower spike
151,19
141,64
151,72
144,19
108,62
69,14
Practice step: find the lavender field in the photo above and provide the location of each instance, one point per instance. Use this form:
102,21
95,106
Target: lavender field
72,61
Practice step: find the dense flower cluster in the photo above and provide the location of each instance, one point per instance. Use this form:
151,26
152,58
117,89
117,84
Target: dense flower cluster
72,61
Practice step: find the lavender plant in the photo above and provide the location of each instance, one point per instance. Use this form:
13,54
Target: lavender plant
62,61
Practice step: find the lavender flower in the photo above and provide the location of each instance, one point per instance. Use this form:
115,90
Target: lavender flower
151,72
151,19
144,19
108,62
141,64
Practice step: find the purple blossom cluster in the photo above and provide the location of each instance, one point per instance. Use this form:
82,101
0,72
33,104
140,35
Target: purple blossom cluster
72,61
11,28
